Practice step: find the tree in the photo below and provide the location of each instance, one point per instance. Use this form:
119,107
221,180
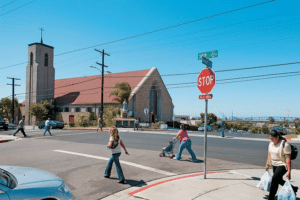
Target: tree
272,120
38,110
264,129
109,113
121,93
42,110
6,106
211,118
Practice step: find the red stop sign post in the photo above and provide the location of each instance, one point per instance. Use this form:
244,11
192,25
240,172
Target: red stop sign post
205,83
206,80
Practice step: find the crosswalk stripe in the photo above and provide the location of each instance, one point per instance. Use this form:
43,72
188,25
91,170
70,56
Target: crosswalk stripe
123,162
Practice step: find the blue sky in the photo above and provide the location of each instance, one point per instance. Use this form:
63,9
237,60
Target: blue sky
266,34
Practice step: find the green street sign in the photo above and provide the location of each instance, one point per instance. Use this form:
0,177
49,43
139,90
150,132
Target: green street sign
210,54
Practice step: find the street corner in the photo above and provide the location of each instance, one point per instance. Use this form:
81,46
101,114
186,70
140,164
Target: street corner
8,138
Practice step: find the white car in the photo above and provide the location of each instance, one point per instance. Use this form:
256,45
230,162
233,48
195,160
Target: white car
17,183
201,128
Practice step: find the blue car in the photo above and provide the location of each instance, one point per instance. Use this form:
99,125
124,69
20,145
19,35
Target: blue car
53,124
18,182
280,129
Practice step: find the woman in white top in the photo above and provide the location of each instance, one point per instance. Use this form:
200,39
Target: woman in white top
114,144
280,158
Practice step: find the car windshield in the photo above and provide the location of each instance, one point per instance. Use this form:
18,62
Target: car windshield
55,121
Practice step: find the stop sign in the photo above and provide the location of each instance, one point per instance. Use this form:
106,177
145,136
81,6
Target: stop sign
206,80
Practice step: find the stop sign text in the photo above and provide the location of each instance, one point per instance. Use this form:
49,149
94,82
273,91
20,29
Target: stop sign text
206,80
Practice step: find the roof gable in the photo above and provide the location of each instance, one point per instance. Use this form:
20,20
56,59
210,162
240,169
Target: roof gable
87,90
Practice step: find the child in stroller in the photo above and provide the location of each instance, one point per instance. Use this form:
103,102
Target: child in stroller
169,149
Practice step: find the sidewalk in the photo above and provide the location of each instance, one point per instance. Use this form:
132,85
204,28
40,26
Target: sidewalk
219,185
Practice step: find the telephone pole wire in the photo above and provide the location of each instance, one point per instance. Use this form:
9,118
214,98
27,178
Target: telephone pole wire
103,54
13,98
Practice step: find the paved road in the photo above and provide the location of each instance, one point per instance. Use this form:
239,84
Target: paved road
80,157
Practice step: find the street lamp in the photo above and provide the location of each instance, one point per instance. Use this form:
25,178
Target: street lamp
102,72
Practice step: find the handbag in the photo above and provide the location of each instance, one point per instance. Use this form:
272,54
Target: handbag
265,181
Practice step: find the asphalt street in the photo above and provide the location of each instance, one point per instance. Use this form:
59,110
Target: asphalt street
80,157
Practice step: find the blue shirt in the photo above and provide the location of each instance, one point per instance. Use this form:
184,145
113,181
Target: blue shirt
21,124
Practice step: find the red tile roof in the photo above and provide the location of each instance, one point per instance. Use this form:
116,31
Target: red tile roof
87,90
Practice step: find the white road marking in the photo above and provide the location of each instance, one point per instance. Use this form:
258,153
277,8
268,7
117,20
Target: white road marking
123,162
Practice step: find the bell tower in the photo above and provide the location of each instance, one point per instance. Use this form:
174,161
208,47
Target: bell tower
40,75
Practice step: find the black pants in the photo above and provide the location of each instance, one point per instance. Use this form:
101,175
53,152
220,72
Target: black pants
277,178
22,130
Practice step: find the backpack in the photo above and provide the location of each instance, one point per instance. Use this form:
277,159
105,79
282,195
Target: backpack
294,151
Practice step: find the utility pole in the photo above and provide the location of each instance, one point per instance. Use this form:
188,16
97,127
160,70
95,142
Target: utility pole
103,54
13,98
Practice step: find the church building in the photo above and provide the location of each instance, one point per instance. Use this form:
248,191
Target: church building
73,96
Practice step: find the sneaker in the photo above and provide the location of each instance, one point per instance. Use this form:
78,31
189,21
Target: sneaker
175,158
122,182
193,160
106,176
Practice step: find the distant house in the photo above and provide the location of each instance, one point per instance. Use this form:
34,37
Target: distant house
73,96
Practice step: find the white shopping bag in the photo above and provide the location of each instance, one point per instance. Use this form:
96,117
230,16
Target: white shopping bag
287,192
265,181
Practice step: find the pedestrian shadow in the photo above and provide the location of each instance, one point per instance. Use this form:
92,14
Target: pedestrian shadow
135,183
198,161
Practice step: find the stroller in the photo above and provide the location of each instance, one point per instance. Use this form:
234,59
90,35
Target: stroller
169,149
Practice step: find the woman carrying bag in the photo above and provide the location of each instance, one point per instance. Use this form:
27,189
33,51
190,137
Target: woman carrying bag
279,156
114,145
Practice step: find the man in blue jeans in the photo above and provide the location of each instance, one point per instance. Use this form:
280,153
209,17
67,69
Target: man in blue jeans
47,125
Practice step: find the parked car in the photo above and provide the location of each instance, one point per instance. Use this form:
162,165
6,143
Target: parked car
201,128
3,124
30,183
53,124
280,129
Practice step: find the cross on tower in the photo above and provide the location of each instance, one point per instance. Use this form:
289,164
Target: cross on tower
41,34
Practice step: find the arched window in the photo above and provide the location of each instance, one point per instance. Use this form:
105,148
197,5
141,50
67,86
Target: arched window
31,58
46,59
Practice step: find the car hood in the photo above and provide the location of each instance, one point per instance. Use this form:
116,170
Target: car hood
31,177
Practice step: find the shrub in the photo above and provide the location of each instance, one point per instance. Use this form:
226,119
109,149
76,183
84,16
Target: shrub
72,124
193,127
176,124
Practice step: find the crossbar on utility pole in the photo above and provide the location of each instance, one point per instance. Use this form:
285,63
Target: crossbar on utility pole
103,54
13,98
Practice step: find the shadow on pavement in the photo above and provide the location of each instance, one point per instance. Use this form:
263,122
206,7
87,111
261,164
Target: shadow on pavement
140,183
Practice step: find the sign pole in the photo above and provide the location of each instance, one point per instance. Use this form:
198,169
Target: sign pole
205,83
205,137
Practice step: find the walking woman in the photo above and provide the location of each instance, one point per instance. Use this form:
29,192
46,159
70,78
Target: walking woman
114,144
280,158
185,142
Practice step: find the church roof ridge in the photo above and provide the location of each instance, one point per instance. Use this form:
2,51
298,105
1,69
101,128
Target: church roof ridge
41,44
104,74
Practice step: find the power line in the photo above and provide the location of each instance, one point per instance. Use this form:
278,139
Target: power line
170,27
242,80
8,4
150,32
181,74
17,8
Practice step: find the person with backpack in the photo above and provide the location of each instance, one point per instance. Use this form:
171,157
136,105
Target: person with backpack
279,157
114,145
